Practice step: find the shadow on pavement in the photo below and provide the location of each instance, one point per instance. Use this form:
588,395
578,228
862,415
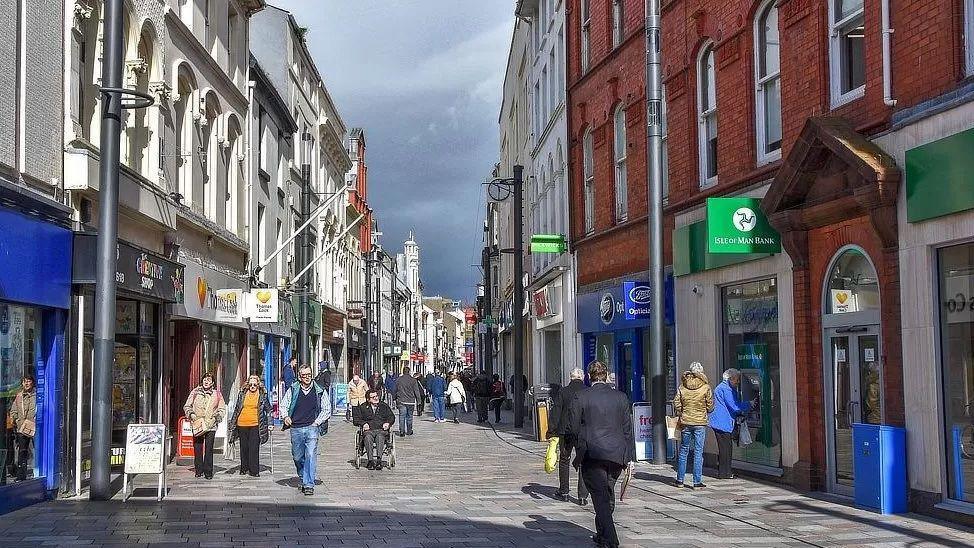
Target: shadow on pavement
227,523
538,491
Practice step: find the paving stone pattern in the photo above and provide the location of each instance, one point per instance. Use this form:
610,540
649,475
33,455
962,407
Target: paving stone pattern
454,485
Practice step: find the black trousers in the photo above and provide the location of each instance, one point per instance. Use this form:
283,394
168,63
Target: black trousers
497,403
23,455
203,453
600,478
725,452
564,471
249,449
481,403
456,408
375,443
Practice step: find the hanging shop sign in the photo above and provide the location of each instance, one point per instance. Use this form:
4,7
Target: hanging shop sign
216,297
264,305
548,243
405,356
355,313
542,303
636,297
137,270
737,225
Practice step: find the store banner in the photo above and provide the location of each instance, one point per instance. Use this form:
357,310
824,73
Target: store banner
212,296
636,297
136,270
231,307
264,305
738,225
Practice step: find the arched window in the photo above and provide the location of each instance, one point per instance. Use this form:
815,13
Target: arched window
586,20
137,132
852,284
621,186
233,161
588,173
212,157
707,116
185,133
767,80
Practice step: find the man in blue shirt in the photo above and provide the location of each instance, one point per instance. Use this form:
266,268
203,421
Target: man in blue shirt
304,409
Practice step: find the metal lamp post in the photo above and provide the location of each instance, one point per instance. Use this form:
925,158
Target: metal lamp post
305,256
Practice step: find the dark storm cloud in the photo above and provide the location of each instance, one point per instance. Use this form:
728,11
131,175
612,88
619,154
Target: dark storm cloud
424,78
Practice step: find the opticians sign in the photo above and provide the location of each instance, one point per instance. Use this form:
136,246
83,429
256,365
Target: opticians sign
737,225
636,297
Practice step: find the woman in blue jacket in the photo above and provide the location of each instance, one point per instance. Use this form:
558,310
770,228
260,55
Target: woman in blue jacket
727,407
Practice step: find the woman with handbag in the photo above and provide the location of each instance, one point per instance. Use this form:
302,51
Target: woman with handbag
24,416
728,408
249,423
456,396
205,408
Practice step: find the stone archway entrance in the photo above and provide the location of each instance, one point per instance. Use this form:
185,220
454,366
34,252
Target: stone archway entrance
836,192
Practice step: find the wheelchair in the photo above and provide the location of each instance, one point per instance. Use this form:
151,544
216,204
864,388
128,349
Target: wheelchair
389,455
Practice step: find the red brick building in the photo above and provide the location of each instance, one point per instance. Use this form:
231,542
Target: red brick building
812,107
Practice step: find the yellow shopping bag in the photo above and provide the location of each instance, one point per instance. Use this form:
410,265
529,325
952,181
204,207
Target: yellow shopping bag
551,456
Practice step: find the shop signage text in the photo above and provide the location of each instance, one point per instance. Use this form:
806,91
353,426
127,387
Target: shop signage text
542,305
737,225
264,305
136,270
548,243
637,297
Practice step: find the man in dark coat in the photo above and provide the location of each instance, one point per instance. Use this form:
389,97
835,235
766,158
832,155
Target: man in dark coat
481,392
559,421
375,418
601,424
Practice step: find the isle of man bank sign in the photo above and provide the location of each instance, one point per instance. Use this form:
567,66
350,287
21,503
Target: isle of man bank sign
737,225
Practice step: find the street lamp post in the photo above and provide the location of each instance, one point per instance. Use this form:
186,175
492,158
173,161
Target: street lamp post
305,255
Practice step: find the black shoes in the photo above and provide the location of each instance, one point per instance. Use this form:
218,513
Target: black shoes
308,491
583,501
456,421
255,474
199,474
243,472
564,497
208,476
410,433
370,465
402,434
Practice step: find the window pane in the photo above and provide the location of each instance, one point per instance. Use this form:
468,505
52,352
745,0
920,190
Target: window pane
620,133
707,88
772,115
769,50
711,145
853,285
845,8
852,56
587,154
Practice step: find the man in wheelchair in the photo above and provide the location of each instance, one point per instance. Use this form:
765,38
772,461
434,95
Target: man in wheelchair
375,418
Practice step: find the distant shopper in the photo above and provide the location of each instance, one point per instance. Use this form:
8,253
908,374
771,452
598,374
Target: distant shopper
356,394
290,371
390,383
421,402
694,400
466,379
375,418
408,395
560,419
601,427
456,396
437,391
305,408
205,408
249,423
23,415
324,377
727,407
498,395
481,391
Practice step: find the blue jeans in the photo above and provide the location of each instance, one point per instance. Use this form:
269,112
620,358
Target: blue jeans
695,435
406,418
304,451
439,407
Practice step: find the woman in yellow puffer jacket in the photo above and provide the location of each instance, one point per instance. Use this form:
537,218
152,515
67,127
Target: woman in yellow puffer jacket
693,401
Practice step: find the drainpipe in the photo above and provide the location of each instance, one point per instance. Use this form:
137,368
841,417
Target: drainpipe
887,61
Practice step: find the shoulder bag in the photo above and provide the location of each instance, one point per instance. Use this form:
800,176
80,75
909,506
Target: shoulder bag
27,427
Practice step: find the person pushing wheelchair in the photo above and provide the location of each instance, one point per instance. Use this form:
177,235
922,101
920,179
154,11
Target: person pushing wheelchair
375,419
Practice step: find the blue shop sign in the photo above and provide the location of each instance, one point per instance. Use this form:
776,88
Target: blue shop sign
624,306
35,261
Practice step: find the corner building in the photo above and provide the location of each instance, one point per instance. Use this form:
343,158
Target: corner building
851,136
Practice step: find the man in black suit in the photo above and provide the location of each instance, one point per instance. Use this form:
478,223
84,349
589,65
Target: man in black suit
602,426
558,426
376,419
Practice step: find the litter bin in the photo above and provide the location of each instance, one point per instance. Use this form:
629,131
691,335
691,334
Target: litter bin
540,395
879,464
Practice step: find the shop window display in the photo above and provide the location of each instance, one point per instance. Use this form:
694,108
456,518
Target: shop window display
750,344
956,273
18,398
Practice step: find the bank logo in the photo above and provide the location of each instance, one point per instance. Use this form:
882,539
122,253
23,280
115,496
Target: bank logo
607,309
745,219
640,294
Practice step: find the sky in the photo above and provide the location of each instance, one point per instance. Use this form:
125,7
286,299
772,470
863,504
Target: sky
424,79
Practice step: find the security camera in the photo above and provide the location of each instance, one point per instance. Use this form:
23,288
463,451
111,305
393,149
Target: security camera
697,290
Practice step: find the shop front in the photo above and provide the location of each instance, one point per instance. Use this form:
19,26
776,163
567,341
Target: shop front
210,335
333,340
613,320
270,349
35,296
553,322
145,282
356,346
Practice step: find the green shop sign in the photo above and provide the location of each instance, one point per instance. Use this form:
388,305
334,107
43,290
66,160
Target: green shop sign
548,243
737,225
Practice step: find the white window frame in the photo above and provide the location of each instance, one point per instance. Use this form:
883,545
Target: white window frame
618,22
969,35
621,171
835,60
704,115
760,91
586,18
588,175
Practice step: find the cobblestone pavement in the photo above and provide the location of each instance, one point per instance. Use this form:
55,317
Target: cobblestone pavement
454,485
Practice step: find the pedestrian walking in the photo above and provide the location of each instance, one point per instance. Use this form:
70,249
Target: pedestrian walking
466,379
23,418
498,395
727,408
408,395
421,402
481,392
305,408
694,400
356,394
601,427
559,421
249,423
390,384
205,408
437,391
456,396
375,418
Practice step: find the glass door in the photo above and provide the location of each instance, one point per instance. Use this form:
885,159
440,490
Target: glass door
623,368
854,395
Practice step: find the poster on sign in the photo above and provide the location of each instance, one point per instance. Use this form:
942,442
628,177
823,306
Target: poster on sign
264,305
340,397
144,448
642,430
